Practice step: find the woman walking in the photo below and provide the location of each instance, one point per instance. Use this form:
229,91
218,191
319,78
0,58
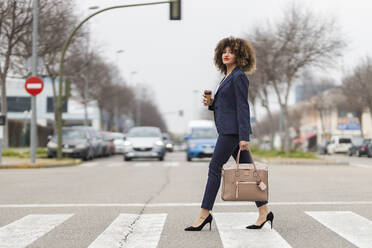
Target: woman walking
233,56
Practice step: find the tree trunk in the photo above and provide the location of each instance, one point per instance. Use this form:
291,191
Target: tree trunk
272,129
321,117
54,105
359,116
258,136
287,147
4,110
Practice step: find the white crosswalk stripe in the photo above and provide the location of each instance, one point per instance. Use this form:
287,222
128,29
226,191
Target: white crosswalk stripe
23,232
352,227
133,230
123,233
233,233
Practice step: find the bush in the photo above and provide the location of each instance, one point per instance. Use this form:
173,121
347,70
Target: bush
40,152
281,154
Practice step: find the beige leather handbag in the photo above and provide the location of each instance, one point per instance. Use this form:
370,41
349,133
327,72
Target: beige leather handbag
245,182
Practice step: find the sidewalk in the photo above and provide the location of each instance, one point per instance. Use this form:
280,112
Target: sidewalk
23,163
300,161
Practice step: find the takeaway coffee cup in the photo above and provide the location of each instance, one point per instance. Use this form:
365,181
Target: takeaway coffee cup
208,94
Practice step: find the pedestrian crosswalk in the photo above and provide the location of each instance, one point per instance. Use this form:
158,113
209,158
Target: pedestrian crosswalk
147,230
351,226
23,232
146,233
233,233
118,164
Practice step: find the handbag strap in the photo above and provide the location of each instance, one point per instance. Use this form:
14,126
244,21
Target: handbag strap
238,161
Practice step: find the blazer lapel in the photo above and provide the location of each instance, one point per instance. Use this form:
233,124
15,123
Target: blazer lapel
229,77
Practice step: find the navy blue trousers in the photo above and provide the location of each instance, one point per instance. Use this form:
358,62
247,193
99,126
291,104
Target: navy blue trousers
226,146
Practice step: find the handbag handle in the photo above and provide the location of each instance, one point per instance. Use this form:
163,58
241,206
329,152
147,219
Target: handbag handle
238,160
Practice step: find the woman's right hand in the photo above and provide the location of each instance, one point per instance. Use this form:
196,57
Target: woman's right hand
206,102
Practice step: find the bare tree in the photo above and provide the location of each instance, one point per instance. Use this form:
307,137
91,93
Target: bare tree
301,40
357,87
56,20
15,19
260,80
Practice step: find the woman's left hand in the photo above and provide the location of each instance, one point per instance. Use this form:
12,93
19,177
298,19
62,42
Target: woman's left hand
244,145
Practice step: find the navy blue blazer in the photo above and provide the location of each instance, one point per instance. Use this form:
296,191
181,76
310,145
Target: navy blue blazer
231,107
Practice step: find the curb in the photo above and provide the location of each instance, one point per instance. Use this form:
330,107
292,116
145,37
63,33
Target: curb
39,166
288,162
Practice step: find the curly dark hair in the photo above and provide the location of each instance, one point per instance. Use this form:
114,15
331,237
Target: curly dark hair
243,50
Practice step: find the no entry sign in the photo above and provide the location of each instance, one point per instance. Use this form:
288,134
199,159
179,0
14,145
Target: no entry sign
34,85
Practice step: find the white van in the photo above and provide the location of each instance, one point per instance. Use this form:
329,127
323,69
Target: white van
339,144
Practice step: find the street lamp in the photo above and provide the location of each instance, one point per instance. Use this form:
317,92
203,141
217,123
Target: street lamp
93,7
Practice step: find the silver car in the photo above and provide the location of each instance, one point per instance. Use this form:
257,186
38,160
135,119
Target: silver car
118,142
144,142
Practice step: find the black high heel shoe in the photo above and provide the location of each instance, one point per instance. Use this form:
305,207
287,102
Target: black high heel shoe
269,217
199,228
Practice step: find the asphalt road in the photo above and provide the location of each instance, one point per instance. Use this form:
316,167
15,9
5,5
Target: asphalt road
362,161
147,203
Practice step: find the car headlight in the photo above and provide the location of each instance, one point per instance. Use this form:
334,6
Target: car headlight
81,146
169,145
51,144
119,142
192,145
159,143
127,143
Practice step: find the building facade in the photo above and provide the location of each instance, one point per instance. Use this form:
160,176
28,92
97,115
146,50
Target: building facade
19,105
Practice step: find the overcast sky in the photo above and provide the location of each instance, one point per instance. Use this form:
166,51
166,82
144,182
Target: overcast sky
175,58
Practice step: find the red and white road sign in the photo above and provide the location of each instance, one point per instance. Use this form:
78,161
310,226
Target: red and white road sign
34,85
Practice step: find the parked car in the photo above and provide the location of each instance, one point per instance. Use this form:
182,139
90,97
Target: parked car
369,149
169,145
76,142
358,147
339,144
200,142
118,141
323,147
108,147
144,142
95,138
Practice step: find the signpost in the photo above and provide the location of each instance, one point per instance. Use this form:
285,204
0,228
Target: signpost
34,85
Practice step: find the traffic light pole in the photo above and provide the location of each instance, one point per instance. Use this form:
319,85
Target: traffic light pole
175,15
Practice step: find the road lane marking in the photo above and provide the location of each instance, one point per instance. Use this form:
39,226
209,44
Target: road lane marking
171,164
361,165
23,232
142,164
181,204
352,227
202,164
89,164
231,227
115,165
145,232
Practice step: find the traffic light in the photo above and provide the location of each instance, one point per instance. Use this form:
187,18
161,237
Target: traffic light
175,10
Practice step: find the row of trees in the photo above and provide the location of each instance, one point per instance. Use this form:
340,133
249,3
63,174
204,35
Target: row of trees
56,20
284,50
